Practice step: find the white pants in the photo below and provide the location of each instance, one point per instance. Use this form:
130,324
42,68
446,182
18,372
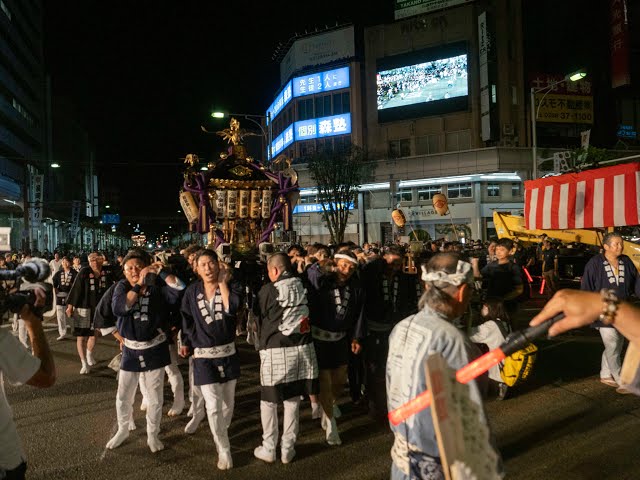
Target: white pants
219,399
153,381
611,362
290,423
61,314
175,379
195,394
23,336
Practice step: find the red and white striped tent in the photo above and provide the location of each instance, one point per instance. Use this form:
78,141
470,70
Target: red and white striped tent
603,197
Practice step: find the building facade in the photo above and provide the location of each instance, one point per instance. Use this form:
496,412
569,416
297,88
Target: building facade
320,102
438,101
22,109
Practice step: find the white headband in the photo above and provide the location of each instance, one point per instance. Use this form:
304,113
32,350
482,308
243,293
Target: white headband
345,257
464,274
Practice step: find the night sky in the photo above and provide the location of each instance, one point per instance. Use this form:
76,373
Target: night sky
145,75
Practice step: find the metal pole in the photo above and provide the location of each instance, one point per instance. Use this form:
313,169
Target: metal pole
534,137
270,129
26,233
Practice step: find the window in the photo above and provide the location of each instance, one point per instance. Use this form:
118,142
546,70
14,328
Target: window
456,141
323,106
427,193
427,145
493,189
5,9
516,189
399,148
305,109
460,190
23,111
405,195
341,143
341,103
308,199
307,148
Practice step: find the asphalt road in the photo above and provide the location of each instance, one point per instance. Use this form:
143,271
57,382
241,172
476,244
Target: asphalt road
563,424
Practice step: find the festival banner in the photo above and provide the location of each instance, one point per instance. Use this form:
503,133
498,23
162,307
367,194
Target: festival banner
37,184
620,75
603,197
75,219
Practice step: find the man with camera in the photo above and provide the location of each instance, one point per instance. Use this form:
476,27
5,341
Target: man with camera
19,366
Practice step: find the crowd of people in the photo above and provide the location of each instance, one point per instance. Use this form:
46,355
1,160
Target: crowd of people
321,317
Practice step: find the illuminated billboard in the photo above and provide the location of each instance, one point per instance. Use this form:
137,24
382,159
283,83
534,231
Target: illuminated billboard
282,141
321,82
422,83
310,129
280,102
314,208
311,84
322,127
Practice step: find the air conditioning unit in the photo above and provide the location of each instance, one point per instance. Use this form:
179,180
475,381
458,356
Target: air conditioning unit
508,130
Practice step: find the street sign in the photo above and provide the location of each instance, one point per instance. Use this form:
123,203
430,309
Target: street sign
111,219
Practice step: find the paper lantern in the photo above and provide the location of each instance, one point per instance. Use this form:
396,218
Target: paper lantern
232,204
189,206
244,201
440,204
254,209
398,217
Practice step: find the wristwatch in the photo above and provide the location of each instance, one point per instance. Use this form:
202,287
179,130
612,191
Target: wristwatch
610,303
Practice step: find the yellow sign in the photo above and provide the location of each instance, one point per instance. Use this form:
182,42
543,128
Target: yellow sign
564,108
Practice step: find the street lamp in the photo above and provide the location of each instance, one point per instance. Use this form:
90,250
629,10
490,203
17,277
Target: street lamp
55,165
251,117
572,77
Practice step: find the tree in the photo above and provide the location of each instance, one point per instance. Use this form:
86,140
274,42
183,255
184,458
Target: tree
338,174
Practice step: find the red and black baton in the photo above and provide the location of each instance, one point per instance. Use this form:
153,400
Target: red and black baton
514,342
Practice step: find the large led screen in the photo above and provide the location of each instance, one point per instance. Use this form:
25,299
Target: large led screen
421,83
424,82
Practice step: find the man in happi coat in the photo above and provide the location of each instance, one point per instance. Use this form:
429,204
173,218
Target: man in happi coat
392,295
611,270
336,304
209,310
288,365
62,281
448,288
86,291
141,305
105,321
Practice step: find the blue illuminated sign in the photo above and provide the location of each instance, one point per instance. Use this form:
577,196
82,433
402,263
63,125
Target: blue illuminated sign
279,103
111,218
282,141
312,208
321,82
323,127
310,129
309,85
626,131
287,136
